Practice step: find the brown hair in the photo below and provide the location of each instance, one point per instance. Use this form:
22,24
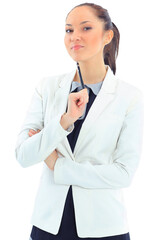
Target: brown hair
110,51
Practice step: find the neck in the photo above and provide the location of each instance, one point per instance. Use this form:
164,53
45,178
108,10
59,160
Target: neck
91,72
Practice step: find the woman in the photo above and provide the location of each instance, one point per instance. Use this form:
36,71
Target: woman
85,169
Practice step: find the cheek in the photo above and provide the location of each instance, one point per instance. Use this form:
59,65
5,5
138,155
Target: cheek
67,41
96,41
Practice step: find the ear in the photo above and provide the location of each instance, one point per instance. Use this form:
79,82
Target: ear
109,36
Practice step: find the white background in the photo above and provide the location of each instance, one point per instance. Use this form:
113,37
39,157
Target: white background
32,47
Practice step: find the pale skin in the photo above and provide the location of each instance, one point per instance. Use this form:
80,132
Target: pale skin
82,27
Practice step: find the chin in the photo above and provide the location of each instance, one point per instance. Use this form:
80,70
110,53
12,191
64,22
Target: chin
80,57
77,59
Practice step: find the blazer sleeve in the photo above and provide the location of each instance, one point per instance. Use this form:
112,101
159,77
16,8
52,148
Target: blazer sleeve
35,149
125,159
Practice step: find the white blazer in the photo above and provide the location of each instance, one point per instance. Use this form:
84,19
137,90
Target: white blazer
105,158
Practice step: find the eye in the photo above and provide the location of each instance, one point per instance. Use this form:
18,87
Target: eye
87,28
67,30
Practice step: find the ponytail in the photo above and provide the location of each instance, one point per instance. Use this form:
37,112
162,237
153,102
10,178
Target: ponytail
110,52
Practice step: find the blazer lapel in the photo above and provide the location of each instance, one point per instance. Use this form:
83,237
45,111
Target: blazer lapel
102,100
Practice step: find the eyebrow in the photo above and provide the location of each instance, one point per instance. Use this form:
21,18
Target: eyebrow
80,23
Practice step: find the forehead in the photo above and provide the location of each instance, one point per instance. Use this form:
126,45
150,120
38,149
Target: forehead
80,14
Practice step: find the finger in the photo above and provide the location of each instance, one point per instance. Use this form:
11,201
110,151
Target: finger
32,130
30,134
80,100
80,103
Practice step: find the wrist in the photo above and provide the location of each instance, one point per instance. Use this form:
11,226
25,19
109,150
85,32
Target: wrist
66,121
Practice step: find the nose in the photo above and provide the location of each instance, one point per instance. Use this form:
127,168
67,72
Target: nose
75,36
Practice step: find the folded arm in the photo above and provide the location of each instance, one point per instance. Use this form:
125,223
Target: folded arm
32,150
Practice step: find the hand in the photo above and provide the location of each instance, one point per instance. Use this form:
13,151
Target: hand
51,159
33,132
76,103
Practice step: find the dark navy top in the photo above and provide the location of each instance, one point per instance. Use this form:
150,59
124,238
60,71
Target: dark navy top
67,230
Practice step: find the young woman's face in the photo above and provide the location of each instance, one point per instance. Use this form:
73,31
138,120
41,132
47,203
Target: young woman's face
85,29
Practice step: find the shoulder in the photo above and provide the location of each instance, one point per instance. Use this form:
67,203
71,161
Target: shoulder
129,95
129,90
50,83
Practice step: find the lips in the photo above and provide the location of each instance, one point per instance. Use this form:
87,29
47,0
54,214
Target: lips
76,47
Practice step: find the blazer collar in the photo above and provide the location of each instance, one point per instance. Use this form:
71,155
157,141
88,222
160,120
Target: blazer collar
108,86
